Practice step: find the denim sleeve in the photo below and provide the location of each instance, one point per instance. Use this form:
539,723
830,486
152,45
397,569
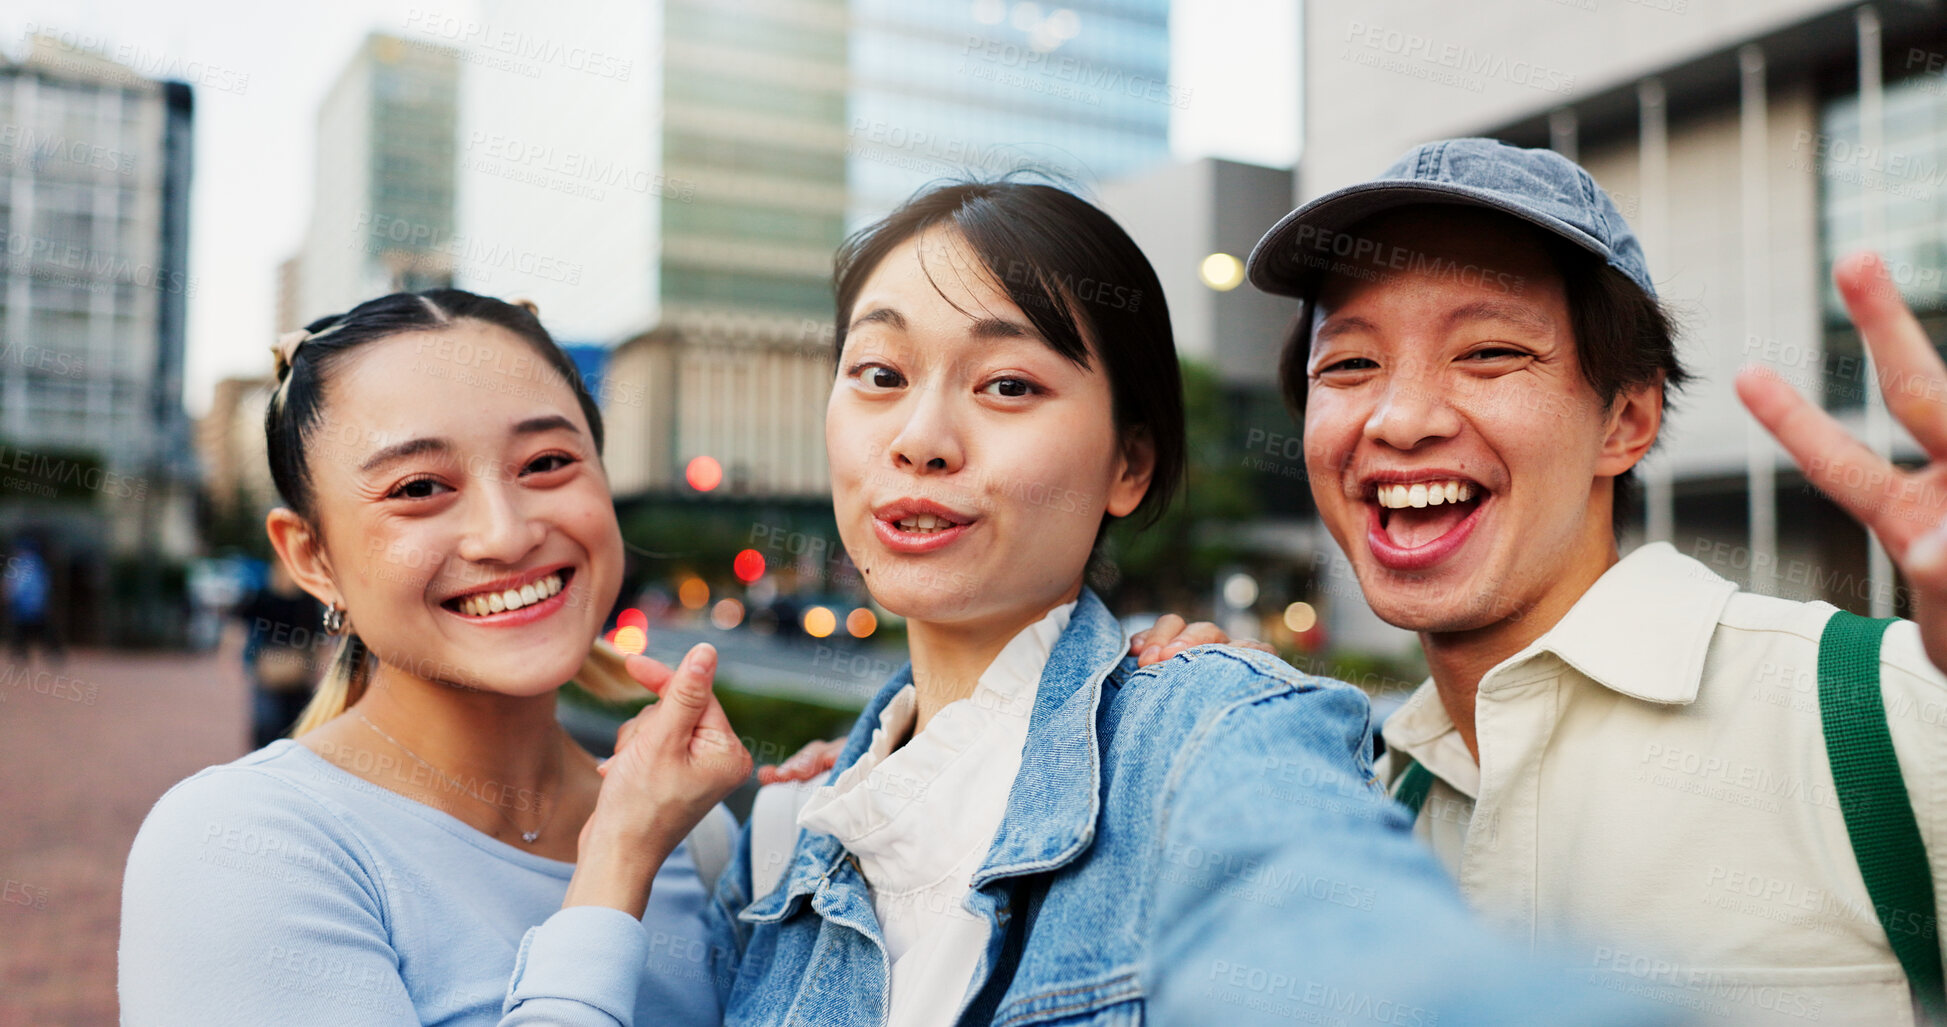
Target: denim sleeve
726,934
1289,890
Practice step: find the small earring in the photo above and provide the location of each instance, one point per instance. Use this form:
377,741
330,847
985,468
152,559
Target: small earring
334,620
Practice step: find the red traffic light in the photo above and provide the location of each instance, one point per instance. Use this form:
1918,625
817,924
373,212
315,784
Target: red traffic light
748,566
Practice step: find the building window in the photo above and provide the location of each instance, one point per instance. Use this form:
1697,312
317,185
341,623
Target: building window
1906,179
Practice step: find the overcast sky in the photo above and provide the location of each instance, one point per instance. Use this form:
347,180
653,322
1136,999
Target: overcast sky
254,137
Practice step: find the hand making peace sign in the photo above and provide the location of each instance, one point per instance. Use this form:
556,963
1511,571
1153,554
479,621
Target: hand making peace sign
1906,509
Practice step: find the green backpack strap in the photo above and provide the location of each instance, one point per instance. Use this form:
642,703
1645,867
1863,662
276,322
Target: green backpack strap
1872,794
1413,784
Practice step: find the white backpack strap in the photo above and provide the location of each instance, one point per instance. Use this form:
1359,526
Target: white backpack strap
774,832
710,844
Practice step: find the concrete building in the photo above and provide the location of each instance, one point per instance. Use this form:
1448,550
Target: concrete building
95,452
1196,222
230,445
668,179
755,407
1749,145
382,208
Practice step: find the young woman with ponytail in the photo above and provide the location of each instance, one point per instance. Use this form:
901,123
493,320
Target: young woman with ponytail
431,847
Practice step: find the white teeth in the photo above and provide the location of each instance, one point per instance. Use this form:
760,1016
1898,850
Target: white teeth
486,604
925,522
1423,494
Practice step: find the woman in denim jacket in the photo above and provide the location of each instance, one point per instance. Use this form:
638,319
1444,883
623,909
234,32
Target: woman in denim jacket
1023,827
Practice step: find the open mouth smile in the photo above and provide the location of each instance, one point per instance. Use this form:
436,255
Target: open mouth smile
1415,522
518,599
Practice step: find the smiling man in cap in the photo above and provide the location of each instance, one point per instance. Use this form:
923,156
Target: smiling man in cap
1734,801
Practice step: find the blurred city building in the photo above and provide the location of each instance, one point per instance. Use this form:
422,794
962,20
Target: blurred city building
1749,145
382,200
1197,221
985,87
673,178
668,182
96,461
733,364
230,443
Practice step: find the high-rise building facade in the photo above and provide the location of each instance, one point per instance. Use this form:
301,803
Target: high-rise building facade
984,87
94,287
96,461
382,213
673,178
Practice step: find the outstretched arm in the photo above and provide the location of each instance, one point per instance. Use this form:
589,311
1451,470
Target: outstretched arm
1289,890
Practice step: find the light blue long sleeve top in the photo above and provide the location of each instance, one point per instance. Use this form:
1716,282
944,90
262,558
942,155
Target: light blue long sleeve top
283,889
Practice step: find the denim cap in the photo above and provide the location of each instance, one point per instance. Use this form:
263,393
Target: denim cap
1541,187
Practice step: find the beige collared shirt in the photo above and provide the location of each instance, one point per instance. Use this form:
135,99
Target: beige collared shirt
1653,801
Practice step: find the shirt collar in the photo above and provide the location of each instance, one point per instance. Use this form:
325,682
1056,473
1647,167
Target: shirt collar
1057,797
1053,806
1644,628
867,806
1421,730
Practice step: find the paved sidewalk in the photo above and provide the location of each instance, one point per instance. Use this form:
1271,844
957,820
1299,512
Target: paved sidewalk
86,747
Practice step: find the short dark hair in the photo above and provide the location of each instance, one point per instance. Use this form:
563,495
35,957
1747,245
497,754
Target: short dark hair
1624,337
1082,282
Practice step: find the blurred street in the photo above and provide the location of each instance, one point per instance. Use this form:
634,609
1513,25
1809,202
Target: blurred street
89,745
836,671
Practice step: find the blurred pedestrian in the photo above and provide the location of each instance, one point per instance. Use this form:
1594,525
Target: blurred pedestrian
280,652
29,591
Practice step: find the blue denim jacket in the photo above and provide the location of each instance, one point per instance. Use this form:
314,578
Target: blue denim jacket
1138,792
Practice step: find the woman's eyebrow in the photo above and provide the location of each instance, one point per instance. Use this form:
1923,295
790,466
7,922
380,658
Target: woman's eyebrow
1000,328
880,315
546,423
401,450
428,444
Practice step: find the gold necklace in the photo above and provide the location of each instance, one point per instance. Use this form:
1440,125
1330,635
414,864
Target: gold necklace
526,836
